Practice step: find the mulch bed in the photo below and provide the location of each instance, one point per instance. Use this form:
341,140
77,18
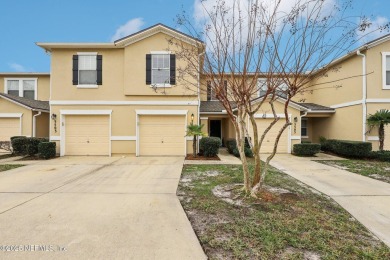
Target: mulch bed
201,158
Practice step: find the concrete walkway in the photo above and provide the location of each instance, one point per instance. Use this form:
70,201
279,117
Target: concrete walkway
367,200
96,208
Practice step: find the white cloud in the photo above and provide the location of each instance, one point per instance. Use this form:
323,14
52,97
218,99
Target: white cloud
374,30
17,67
132,26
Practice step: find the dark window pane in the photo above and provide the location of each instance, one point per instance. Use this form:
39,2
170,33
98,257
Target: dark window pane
13,92
304,132
387,77
29,94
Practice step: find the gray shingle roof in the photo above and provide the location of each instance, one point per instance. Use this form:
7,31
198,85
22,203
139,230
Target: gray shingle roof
33,104
213,106
316,107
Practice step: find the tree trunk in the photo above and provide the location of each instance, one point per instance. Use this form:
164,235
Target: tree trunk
240,137
381,133
194,147
256,152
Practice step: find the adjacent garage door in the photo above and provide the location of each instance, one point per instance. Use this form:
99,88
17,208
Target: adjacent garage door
9,127
387,138
268,143
87,135
161,135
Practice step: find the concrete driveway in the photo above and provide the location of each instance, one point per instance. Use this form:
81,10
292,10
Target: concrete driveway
96,208
368,200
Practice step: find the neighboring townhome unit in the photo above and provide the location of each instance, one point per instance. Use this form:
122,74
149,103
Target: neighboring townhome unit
123,97
24,106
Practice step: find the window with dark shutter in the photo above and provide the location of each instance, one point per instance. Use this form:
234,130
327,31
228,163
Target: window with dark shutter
99,69
208,90
173,69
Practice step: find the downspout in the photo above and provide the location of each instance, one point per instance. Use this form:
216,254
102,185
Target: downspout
364,91
199,55
35,123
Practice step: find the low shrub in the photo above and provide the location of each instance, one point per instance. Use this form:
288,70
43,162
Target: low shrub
306,142
383,156
32,145
47,150
19,145
210,146
353,149
231,144
236,152
306,149
248,152
324,144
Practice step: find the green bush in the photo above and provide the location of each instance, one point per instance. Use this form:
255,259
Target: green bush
231,144
353,149
248,152
32,145
210,146
383,156
306,149
47,150
19,145
324,144
236,152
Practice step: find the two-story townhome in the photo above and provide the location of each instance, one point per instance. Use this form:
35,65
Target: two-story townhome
24,106
106,97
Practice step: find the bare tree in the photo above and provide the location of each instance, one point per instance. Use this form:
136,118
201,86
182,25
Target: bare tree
247,40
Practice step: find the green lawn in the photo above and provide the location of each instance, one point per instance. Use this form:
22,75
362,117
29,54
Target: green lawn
295,225
373,169
6,167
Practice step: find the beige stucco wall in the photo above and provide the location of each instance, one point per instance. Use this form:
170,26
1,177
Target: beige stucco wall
43,84
42,125
9,107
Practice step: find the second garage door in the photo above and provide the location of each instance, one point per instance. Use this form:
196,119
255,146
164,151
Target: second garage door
9,127
161,135
87,135
268,143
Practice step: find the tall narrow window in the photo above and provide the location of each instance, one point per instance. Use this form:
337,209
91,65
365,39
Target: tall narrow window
304,132
160,69
87,70
29,89
262,87
386,70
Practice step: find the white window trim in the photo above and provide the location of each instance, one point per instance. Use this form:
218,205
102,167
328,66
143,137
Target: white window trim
384,55
159,112
88,86
21,86
160,85
64,113
307,128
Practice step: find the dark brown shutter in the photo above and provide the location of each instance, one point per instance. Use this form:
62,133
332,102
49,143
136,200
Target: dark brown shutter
173,69
225,87
208,90
75,70
99,69
148,69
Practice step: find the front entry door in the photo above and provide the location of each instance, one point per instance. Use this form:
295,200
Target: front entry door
215,128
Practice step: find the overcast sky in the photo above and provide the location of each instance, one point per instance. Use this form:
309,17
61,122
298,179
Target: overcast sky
24,22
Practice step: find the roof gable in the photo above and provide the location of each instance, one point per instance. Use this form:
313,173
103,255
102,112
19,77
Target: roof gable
158,28
27,103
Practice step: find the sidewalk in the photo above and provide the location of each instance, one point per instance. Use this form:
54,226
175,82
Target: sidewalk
364,198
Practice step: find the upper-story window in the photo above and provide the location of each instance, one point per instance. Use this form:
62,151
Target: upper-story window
281,90
160,69
87,70
211,95
386,70
26,88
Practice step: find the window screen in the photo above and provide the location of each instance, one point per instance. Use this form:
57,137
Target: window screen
87,70
160,69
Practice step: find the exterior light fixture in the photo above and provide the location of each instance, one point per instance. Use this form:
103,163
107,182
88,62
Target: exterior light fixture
53,116
192,117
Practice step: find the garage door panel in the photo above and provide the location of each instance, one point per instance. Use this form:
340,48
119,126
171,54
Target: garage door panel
9,127
87,135
268,143
161,135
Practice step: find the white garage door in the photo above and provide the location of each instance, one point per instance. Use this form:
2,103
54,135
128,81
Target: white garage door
87,135
9,127
161,135
268,143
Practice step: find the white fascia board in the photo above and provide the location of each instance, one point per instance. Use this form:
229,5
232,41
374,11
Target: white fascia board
269,116
321,111
161,112
348,104
85,112
118,103
11,115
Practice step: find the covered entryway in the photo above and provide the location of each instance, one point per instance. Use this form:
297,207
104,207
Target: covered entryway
161,135
9,126
268,143
87,135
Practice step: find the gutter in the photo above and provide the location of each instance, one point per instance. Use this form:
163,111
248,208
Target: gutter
199,55
35,123
364,92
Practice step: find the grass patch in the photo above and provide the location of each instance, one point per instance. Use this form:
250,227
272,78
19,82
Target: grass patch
373,169
6,167
304,226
